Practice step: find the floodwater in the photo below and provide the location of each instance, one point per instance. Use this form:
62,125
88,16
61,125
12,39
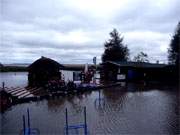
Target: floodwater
129,109
14,79
20,79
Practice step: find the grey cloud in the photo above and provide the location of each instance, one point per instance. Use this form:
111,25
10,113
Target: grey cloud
146,15
34,28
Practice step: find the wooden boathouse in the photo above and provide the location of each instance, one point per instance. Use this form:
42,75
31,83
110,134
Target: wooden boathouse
43,70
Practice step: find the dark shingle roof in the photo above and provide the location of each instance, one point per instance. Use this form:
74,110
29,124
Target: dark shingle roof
1,65
137,64
45,63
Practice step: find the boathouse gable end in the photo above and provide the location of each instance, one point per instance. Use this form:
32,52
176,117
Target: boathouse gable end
43,70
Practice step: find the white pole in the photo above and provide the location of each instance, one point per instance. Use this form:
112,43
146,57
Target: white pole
94,78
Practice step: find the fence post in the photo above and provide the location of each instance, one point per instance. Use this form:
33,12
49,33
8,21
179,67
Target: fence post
24,125
85,124
3,86
28,118
99,97
66,122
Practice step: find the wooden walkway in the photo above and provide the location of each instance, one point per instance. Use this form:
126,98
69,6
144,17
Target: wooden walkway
21,92
26,94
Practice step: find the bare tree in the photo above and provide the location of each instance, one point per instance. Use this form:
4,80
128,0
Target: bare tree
141,57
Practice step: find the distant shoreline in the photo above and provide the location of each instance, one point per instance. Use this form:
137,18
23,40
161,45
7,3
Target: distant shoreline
13,69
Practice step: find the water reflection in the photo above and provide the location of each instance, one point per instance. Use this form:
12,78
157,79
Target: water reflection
55,104
99,102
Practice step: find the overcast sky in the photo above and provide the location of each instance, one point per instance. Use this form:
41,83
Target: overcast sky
73,31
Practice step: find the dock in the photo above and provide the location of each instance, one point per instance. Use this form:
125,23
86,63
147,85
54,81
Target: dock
26,94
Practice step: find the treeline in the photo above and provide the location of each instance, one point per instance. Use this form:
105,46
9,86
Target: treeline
13,69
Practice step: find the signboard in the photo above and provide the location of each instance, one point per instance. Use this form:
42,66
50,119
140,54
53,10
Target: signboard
121,77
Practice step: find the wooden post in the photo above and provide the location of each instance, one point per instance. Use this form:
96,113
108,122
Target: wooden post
85,124
66,122
99,97
24,125
3,85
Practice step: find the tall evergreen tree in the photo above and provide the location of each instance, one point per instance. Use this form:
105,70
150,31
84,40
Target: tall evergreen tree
115,50
174,49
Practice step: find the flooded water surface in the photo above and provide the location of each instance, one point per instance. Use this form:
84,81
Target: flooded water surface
131,109
14,79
